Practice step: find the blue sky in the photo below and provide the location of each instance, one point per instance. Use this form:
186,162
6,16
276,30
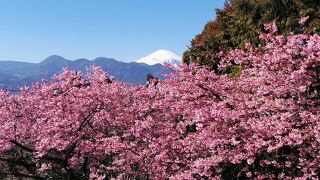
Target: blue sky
31,30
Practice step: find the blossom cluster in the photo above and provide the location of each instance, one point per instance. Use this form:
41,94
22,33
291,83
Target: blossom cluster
262,124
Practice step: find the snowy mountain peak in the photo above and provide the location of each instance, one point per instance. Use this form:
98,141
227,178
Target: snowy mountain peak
161,57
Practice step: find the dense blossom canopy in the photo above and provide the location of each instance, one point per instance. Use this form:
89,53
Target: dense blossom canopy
262,123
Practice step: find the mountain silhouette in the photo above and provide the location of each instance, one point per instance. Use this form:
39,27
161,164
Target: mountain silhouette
14,74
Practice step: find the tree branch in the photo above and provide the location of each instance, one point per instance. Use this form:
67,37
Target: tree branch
25,175
21,146
216,95
88,118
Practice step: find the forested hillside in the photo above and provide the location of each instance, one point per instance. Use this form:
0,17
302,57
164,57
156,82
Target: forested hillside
241,21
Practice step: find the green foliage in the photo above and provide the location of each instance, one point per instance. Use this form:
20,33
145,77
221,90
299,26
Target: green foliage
233,71
241,20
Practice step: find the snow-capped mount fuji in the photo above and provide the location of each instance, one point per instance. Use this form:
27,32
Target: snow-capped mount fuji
161,57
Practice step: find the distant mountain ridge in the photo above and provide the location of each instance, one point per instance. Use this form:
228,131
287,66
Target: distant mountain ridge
14,74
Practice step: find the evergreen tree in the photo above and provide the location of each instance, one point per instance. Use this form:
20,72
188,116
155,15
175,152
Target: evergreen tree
241,20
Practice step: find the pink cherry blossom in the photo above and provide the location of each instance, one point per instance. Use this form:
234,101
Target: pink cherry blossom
262,124
303,20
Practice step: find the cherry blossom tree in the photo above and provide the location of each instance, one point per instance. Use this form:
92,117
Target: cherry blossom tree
262,123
